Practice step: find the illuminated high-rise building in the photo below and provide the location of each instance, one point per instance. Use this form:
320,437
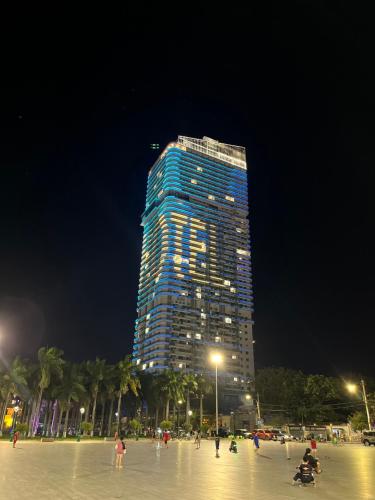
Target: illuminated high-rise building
195,289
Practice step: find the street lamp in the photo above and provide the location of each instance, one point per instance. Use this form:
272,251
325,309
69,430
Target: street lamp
352,388
81,411
179,403
248,397
216,358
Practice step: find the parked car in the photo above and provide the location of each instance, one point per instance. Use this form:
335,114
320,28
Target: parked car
244,433
223,432
278,435
263,434
368,438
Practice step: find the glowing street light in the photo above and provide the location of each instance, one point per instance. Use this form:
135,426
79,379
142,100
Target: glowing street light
81,411
217,359
248,397
353,388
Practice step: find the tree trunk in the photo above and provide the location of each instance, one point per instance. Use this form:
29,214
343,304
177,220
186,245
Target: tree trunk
187,416
102,419
156,417
167,410
53,423
87,412
46,412
118,411
201,411
48,426
66,418
31,417
109,427
60,419
4,412
93,413
35,419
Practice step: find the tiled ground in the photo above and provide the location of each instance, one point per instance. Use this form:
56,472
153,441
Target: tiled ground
84,470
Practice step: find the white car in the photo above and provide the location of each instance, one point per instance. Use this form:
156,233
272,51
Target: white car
278,435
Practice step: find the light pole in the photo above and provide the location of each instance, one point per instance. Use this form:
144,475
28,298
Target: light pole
179,403
81,411
216,358
352,388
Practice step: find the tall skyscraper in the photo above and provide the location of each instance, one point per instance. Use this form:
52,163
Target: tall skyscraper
195,289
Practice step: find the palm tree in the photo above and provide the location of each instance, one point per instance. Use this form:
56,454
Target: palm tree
13,382
191,385
204,387
50,362
172,388
96,370
127,382
70,389
110,384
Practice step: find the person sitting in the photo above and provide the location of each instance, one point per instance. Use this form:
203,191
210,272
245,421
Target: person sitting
305,474
314,462
233,446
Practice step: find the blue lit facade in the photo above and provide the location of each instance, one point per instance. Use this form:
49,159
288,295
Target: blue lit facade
195,289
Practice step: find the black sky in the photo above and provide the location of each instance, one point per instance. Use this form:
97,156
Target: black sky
83,94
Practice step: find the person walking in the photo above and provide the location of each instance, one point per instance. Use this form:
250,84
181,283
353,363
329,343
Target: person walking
217,446
120,452
256,442
16,436
198,440
166,438
313,446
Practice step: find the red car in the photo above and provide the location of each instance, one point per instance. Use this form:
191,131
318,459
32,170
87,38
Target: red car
263,434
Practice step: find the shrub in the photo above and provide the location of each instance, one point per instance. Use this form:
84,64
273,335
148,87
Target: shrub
165,425
86,427
22,428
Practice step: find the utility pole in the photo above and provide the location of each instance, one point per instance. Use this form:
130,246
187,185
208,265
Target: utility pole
258,407
366,404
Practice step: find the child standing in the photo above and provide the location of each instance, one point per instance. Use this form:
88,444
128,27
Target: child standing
120,452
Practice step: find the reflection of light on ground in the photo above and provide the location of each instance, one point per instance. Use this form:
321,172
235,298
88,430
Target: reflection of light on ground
363,475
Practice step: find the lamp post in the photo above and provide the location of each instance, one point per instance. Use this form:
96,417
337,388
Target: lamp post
81,411
352,388
179,403
217,359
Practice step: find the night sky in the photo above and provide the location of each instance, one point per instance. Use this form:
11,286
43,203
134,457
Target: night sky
82,96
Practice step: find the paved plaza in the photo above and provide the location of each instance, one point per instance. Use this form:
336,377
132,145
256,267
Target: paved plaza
71,470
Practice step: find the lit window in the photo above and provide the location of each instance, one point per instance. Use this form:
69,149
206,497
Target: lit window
227,282
180,365
177,259
151,364
160,193
198,336
203,264
200,169
199,289
147,330
234,356
211,197
217,339
242,252
188,335
203,315
238,230
194,181
156,279
179,275
229,198
235,379
217,294
242,381
138,361
148,316
185,293
228,320
199,295
144,366
159,175
232,289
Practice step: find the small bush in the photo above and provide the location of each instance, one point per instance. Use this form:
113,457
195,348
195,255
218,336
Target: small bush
165,425
22,428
